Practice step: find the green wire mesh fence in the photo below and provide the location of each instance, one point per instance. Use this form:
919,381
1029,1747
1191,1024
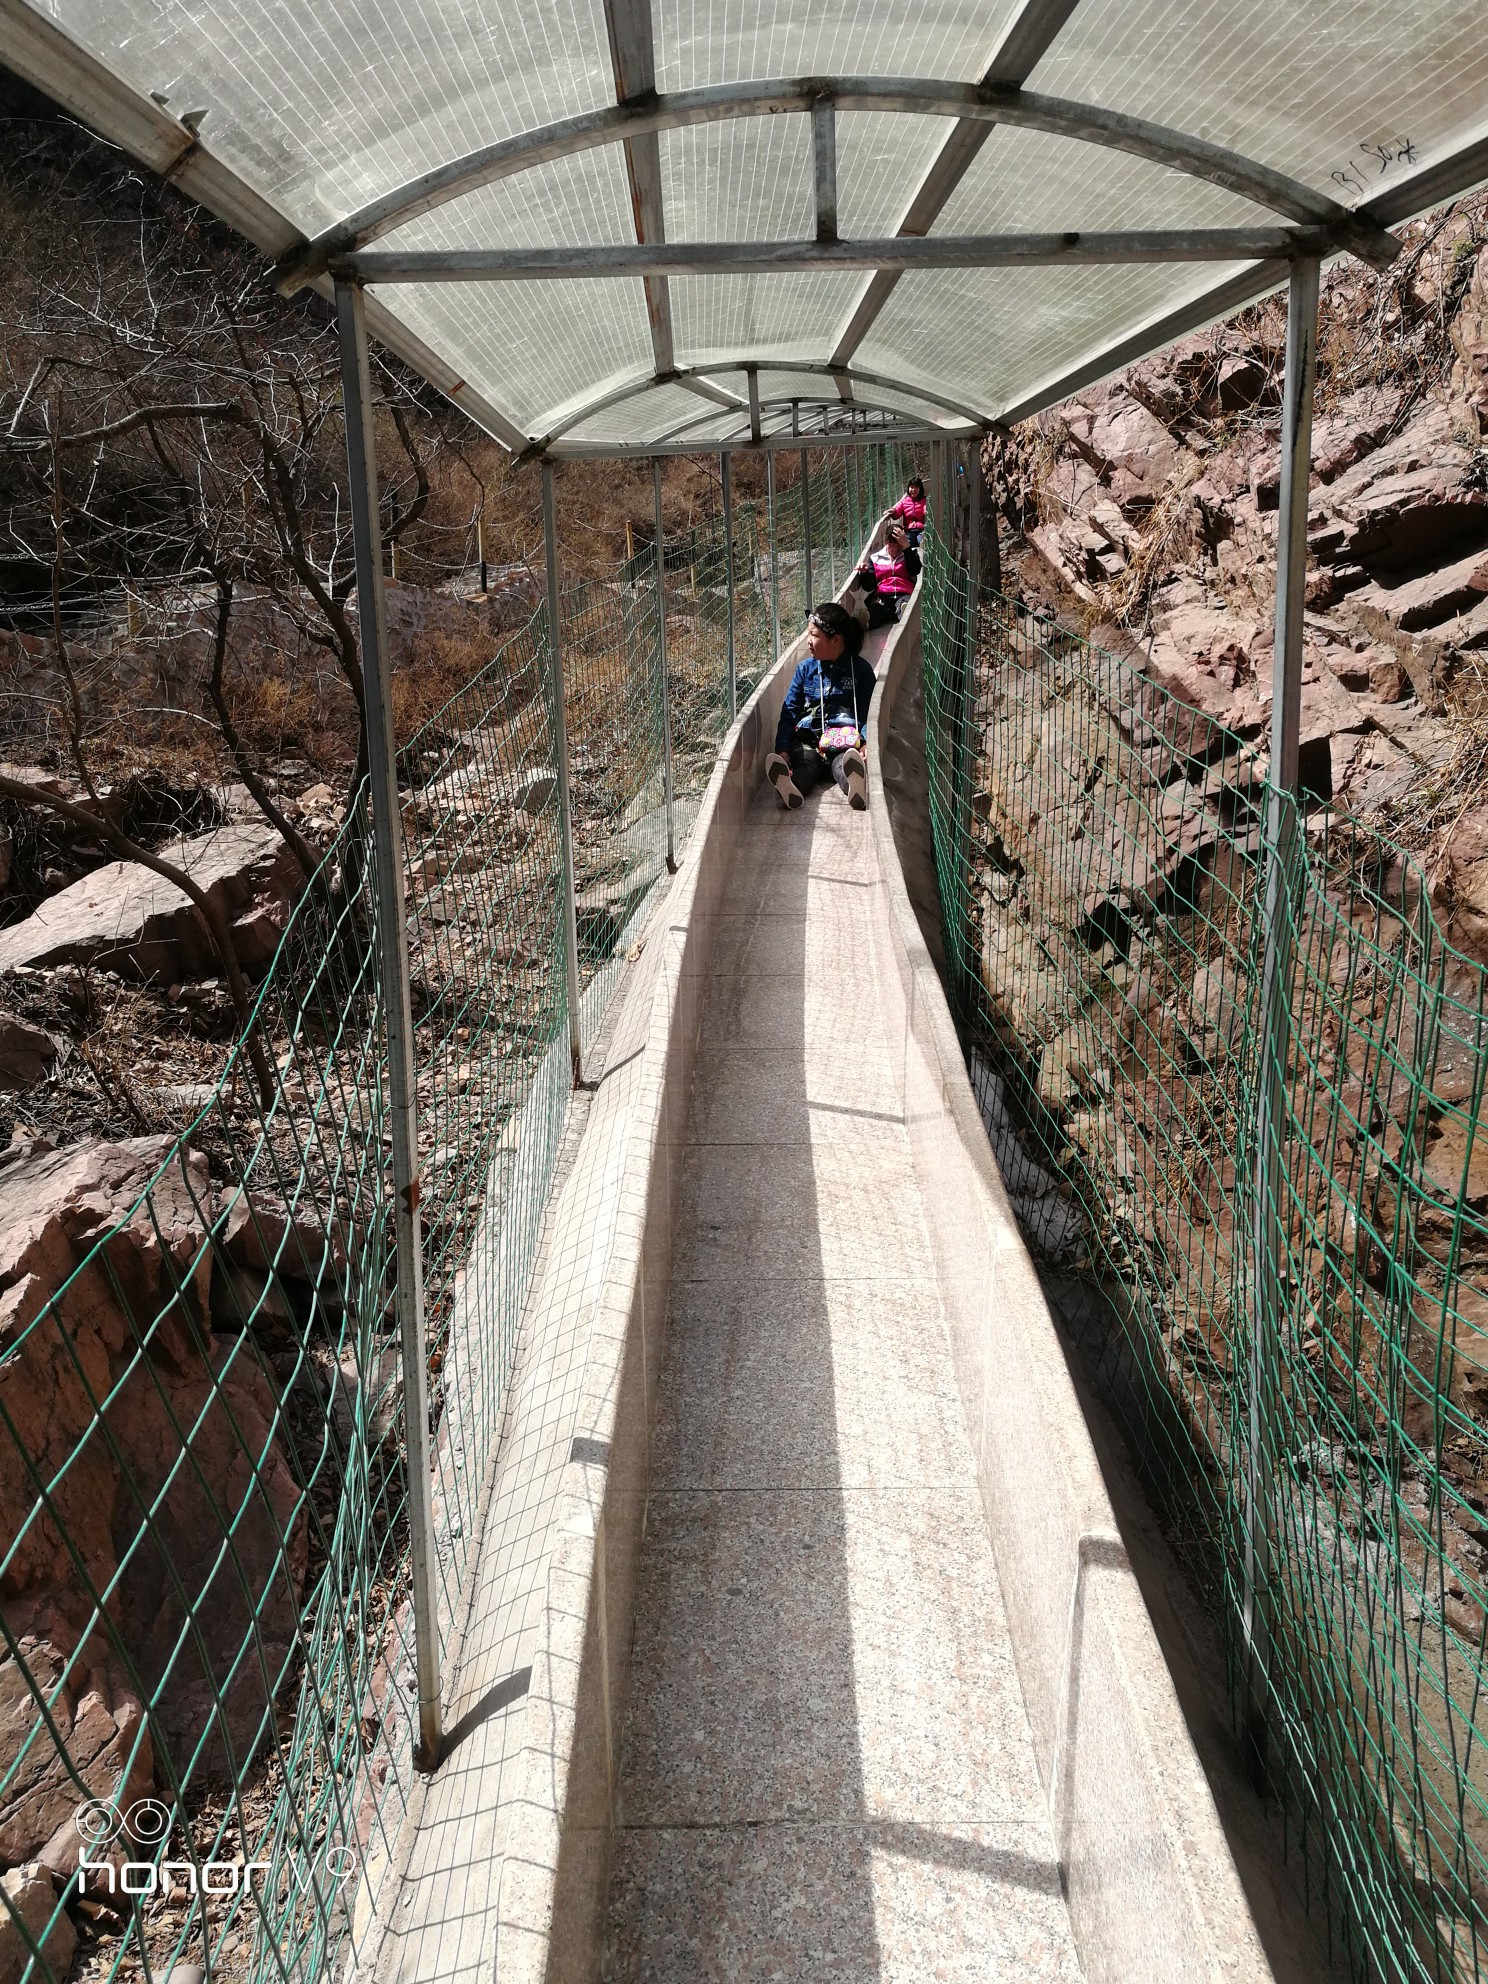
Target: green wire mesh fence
822,518
1292,1330
206,1676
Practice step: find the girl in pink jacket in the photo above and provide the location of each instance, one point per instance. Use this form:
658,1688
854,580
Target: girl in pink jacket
910,509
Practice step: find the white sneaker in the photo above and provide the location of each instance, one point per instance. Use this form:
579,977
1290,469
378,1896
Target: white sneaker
856,773
778,772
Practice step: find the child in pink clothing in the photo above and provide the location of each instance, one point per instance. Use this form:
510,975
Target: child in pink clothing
910,509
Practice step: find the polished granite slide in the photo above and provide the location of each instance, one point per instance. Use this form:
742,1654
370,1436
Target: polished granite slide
826,1769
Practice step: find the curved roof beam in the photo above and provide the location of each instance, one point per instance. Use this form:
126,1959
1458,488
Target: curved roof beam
805,440
825,369
908,95
897,252
899,427
617,395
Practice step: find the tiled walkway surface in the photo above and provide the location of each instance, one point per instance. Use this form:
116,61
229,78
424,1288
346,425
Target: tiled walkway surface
827,1773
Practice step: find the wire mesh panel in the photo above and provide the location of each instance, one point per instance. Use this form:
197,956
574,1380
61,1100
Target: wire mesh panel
822,520
219,1701
208,1660
1291,1330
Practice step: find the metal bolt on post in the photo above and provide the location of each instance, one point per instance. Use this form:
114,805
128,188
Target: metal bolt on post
1282,820
725,473
666,694
392,937
565,795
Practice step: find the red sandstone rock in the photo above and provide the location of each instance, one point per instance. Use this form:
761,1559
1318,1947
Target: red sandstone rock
1459,880
1470,341
1241,383
26,1053
1139,449
1353,428
128,919
30,1893
1414,499
120,1397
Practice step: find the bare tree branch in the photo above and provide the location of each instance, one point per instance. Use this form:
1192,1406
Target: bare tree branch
247,771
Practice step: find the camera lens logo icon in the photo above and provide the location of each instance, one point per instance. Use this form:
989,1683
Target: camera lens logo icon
97,1822
146,1823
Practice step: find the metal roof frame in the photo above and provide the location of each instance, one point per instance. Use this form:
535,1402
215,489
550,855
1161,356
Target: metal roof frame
616,395
1308,223
917,96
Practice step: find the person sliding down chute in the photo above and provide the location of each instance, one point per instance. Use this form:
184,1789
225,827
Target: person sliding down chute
820,732
910,509
889,575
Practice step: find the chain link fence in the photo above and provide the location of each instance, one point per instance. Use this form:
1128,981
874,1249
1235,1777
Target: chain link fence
207,1671
1292,1329
826,502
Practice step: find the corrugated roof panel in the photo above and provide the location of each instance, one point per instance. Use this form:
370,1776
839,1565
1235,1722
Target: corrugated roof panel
698,43
768,316
1001,332
323,106
1311,89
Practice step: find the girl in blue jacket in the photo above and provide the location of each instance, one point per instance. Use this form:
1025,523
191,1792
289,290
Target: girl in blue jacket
820,733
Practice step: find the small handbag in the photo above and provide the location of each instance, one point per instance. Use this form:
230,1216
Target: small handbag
840,737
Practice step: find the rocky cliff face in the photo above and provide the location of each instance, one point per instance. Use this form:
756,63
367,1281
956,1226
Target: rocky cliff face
1148,516
120,1391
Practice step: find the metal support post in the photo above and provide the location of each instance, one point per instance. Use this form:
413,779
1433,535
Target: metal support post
392,939
973,550
1283,814
661,656
806,532
966,699
728,559
565,798
832,534
991,548
774,554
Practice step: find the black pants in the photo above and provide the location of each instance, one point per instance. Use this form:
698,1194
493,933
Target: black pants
811,767
883,609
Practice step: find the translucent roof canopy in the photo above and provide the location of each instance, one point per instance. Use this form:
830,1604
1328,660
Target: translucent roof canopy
645,225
